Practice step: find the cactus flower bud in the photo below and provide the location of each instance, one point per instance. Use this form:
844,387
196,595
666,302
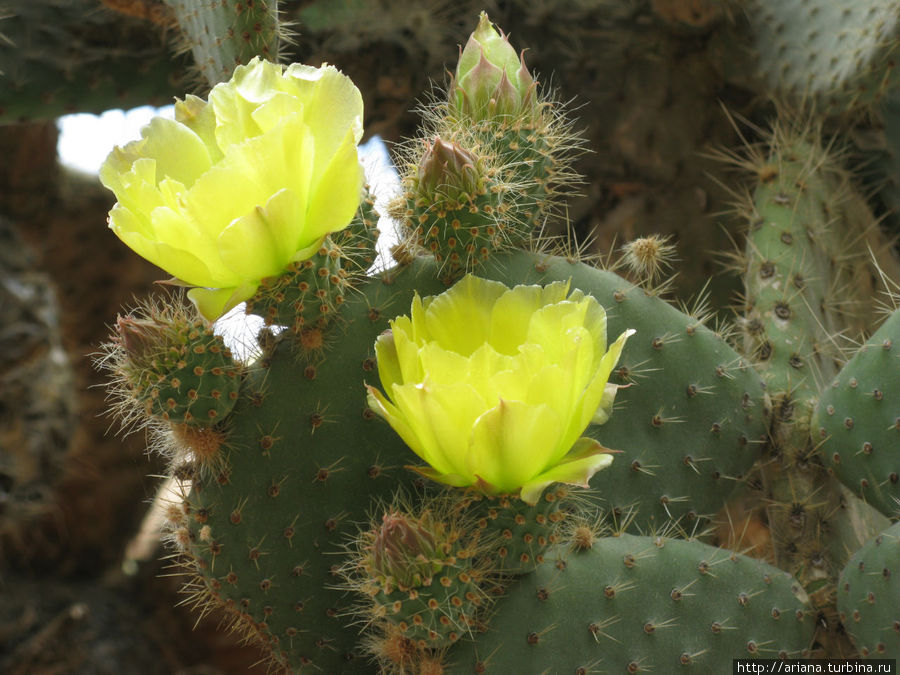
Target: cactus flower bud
448,171
493,386
142,339
235,189
491,79
403,549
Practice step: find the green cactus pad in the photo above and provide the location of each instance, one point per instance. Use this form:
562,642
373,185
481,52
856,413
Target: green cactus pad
637,603
857,420
869,596
839,55
307,460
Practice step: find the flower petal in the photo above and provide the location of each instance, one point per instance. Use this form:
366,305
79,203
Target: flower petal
261,243
595,392
336,189
444,453
178,151
513,310
331,105
215,302
394,416
177,262
198,116
586,458
235,101
510,443
460,319
386,357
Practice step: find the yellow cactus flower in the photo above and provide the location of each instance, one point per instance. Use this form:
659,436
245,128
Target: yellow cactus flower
235,189
493,387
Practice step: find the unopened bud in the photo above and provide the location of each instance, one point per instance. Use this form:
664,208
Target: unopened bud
403,549
448,170
142,339
491,78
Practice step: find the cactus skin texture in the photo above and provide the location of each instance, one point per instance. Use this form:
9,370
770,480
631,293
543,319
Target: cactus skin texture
642,603
837,55
858,420
178,368
869,596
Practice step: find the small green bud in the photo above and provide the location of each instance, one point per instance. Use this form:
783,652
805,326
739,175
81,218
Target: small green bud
446,170
491,78
142,339
404,549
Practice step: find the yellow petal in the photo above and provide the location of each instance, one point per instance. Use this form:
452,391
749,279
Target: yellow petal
198,115
510,316
510,443
271,113
178,151
336,189
451,479
604,410
407,353
460,318
412,402
215,302
389,372
260,243
177,262
181,232
383,407
234,102
586,458
331,105
136,187
441,366
595,392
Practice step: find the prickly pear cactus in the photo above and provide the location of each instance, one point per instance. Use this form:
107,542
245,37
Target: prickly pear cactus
868,596
840,55
861,423
567,411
